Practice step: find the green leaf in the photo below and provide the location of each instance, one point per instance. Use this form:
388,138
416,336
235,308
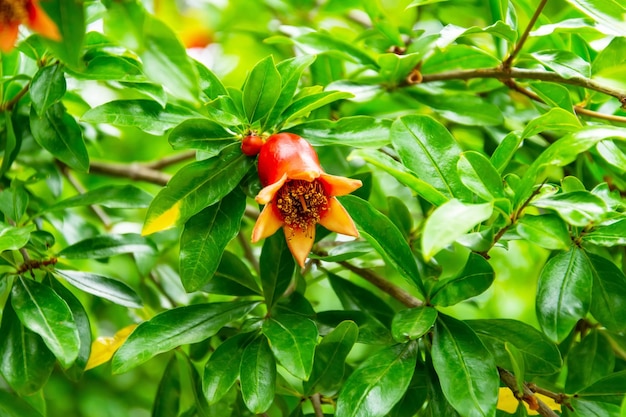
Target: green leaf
578,208
258,376
58,133
466,369
104,246
385,237
429,150
413,323
112,196
541,355
210,84
548,231
612,154
233,277
462,108
147,115
200,134
353,131
371,331
69,17
395,68
41,310
277,268
303,106
609,14
196,186
14,238
103,287
330,359
25,361
554,95
476,277
480,176
47,87
15,406
205,237
555,119
292,339
378,383
565,63
260,90
222,369
9,144
564,293
354,297
456,57
608,300
588,361
176,327
110,67
167,399
319,42
613,234
449,222
504,152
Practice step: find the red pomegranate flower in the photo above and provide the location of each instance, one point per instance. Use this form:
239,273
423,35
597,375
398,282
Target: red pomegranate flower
298,194
13,13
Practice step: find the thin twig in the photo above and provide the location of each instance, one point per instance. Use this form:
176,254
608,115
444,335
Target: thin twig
527,395
11,103
384,285
98,211
317,405
135,171
170,160
559,398
518,47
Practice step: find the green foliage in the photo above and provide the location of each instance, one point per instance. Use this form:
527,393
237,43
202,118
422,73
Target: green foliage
489,140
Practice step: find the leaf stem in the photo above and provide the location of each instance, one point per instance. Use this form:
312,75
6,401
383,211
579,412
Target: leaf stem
317,405
527,395
522,40
98,211
11,103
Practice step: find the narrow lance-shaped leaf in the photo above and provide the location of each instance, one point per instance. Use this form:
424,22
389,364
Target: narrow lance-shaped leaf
260,90
101,286
475,278
480,176
588,361
167,399
354,131
608,300
277,267
258,376
203,134
413,323
104,246
112,196
47,87
222,369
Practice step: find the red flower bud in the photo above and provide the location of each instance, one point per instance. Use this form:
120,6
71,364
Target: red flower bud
251,145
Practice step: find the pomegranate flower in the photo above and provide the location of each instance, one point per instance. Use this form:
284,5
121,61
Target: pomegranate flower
298,194
13,13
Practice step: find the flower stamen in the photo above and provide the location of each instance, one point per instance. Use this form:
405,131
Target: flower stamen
12,11
301,203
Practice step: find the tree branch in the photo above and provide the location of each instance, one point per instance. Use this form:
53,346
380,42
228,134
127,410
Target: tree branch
133,171
518,47
170,160
97,210
527,395
317,405
11,103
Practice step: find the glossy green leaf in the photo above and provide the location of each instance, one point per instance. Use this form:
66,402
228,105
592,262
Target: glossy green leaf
402,174
146,115
167,398
176,327
200,134
456,57
565,63
104,287
196,186
42,311
25,361
354,297
385,237
112,196
233,277
613,234
292,339
104,246
321,42
554,95
612,154
58,133
500,29
69,17
9,144
378,383
258,376
588,361
541,355
14,406
517,364
450,221
465,109
413,323
564,293
260,90
475,278
277,267
555,119
466,370
548,231
429,150
480,176
371,331
47,87
505,151
303,106
609,14
205,237
111,67
610,389
14,202
354,131
400,215
345,251
578,208
608,300
222,369
394,68
14,238
330,357
210,84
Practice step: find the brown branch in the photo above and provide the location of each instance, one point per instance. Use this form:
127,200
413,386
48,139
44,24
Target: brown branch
317,405
527,395
396,292
170,160
97,210
518,47
559,398
11,103
134,171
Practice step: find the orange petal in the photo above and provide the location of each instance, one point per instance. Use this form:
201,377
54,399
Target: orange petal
267,194
309,175
300,242
8,36
267,224
39,21
337,186
338,220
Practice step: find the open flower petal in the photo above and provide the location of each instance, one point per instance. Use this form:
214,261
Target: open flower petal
8,36
338,186
267,224
338,220
267,193
300,242
39,21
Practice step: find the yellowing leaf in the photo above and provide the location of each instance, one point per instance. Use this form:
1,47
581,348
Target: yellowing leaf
103,348
508,403
164,221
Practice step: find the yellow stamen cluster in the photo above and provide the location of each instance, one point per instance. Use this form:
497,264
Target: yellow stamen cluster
13,11
301,203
